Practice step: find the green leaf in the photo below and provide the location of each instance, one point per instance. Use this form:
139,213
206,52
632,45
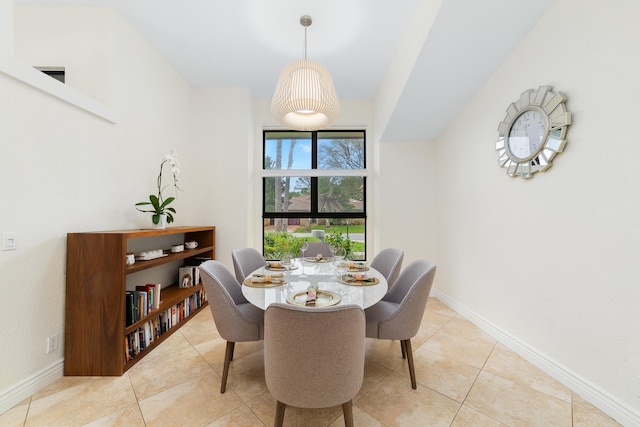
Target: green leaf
155,202
167,201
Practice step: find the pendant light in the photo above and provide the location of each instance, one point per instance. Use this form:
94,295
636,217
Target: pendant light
305,98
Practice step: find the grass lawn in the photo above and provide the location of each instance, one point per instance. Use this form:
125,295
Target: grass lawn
354,228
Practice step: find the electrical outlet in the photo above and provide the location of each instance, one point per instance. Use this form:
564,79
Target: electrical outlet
9,241
52,343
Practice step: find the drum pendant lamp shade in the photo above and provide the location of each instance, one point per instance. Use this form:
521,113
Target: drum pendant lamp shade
305,98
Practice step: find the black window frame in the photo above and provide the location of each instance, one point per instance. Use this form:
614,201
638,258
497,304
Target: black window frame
313,213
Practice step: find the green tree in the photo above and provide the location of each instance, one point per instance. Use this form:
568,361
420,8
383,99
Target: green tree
341,154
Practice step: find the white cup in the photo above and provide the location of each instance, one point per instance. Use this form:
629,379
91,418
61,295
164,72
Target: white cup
131,259
191,244
177,248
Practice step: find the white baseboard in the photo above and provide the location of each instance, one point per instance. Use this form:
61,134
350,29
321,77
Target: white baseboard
16,394
601,399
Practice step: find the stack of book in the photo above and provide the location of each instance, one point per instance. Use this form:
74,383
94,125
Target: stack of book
140,302
151,330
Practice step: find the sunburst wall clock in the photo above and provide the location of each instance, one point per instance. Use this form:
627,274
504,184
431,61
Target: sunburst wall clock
533,132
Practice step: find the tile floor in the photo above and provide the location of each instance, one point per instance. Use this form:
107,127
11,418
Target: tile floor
465,378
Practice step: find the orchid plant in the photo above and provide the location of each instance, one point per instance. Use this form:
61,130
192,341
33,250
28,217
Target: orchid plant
158,204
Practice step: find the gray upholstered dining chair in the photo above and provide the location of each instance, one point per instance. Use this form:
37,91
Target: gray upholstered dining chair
388,262
398,315
316,248
245,261
236,319
314,357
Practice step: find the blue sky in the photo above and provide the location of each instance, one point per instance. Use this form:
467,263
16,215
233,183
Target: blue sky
301,153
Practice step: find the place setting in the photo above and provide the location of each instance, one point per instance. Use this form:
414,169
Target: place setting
313,297
279,266
354,266
259,280
358,279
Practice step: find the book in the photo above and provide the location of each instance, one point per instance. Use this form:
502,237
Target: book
142,304
196,275
130,307
157,287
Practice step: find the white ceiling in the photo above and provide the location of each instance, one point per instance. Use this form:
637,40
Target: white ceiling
216,43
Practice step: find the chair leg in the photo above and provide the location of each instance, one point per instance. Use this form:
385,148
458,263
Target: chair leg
228,355
404,350
347,410
233,347
280,407
412,370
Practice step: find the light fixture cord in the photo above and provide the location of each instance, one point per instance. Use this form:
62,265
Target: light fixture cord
305,43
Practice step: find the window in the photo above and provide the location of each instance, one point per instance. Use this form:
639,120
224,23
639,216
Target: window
314,188
55,72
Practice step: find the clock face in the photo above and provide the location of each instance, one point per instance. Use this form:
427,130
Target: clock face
526,133
533,132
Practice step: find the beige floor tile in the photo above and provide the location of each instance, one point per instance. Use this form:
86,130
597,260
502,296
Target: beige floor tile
200,329
127,417
195,402
246,376
462,328
167,366
240,417
374,374
434,319
515,404
507,364
467,351
383,352
446,376
90,398
468,417
62,384
264,406
178,384
360,419
395,403
16,416
434,305
213,351
587,415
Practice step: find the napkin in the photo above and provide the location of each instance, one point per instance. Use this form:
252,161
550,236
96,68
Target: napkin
312,293
358,277
274,264
267,278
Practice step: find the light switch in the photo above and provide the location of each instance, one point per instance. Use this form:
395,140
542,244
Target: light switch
9,241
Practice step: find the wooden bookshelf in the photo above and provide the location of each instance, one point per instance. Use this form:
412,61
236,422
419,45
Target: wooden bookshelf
95,320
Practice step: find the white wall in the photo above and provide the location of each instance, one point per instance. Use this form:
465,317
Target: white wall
6,26
407,206
223,144
78,38
553,261
67,170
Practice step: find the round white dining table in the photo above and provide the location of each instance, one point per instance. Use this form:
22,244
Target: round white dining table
303,274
